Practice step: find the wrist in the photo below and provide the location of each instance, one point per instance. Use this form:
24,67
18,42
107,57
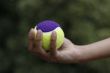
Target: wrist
80,54
76,54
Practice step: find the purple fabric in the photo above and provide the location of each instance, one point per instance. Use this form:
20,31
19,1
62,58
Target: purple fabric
47,25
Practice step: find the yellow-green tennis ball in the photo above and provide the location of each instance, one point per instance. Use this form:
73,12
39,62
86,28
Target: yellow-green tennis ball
47,28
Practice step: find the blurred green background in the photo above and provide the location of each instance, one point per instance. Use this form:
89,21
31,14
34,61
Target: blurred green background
83,21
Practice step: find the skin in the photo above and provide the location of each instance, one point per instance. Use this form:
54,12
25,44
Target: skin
68,53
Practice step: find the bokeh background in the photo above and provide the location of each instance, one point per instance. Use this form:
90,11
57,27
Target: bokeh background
83,21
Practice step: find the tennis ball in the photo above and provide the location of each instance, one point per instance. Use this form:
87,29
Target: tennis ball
47,27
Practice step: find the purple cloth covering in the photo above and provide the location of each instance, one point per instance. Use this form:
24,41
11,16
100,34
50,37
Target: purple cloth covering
47,25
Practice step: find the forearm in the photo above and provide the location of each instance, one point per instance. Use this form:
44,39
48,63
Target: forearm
95,51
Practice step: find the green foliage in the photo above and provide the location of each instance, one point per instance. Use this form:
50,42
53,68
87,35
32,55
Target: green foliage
83,21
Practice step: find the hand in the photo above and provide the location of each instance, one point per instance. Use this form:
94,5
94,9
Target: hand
68,53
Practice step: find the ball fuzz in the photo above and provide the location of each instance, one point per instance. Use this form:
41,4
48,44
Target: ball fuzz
47,27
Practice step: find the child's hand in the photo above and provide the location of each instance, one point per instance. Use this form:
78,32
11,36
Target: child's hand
68,53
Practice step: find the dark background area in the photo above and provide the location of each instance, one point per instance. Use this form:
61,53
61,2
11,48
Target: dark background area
83,21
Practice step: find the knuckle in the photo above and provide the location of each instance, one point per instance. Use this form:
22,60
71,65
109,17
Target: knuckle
53,47
31,36
53,39
38,45
38,39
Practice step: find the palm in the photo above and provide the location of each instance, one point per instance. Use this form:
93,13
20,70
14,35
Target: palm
67,53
